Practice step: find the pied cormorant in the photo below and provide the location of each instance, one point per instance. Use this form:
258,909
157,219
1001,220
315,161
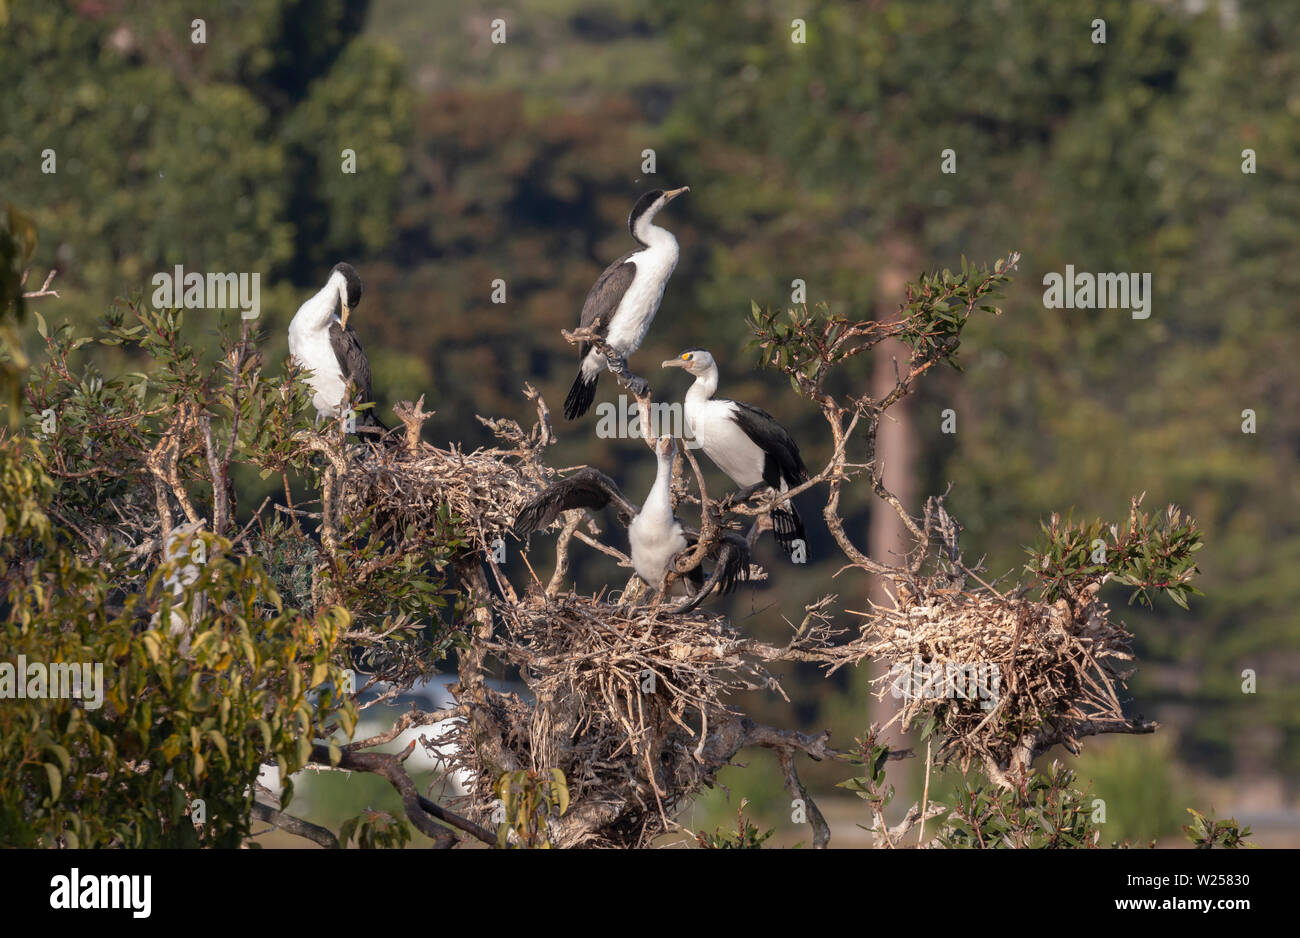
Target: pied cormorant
624,300
327,347
655,535
745,442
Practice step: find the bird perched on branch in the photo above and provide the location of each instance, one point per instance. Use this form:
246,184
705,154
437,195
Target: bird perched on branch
623,302
746,443
323,343
656,536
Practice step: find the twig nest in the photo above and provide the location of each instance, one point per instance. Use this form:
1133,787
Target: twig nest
481,491
621,696
992,671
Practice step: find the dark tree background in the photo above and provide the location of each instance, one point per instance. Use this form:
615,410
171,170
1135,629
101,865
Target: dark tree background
817,161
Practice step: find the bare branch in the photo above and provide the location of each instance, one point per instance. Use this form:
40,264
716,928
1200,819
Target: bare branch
45,287
266,810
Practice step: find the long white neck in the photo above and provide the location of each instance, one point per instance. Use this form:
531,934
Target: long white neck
658,507
318,312
652,236
705,386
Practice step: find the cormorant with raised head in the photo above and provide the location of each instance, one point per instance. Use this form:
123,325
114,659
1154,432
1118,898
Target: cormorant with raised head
656,536
325,345
624,300
745,442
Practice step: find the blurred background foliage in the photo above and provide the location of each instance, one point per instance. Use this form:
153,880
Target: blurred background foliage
817,161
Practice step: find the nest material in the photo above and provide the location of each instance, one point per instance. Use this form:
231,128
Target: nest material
482,490
1001,677
623,698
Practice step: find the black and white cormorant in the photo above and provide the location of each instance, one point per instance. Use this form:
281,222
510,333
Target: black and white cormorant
656,536
625,298
745,442
327,347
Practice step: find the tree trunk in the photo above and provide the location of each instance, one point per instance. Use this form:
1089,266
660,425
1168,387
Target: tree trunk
888,539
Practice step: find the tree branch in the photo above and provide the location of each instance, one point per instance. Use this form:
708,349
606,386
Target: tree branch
264,811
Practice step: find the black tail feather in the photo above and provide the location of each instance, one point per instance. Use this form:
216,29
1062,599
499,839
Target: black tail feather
788,529
370,420
581,394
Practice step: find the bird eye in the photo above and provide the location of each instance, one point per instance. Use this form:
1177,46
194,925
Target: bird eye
686,357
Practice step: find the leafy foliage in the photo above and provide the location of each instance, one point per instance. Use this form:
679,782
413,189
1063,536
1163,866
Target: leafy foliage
375,829
258,681
529,800
1205,832
746,835
871,787
1048,814
209,674
929,322
1147,554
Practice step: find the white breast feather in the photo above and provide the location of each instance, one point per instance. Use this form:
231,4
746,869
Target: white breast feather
312,351
637,309
651,552
724,442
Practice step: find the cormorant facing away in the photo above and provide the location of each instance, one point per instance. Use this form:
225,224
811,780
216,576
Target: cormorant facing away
655,535
625,298
323,343
745,442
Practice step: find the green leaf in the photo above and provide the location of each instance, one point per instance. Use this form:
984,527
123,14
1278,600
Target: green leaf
55,779
561,790
61,754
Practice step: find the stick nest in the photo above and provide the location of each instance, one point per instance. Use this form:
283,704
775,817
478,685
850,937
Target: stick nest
480,491
623,696
1053,670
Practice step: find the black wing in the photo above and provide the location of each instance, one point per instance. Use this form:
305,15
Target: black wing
787,528
586,488
356,370
604,297
352,358
731,562
730,556
782,454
